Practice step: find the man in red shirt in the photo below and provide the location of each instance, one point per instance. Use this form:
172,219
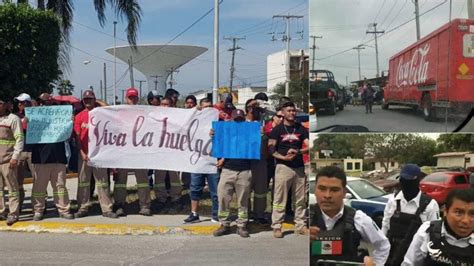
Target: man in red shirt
81,128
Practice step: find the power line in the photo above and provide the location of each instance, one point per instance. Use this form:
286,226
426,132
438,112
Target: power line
386,32
266,21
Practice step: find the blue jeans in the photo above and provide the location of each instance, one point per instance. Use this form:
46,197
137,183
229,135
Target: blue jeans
198,181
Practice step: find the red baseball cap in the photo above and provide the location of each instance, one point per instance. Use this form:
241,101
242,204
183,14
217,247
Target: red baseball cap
88,94
131,92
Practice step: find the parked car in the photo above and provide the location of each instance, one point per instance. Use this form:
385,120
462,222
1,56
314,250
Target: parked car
389,184
437,185
361,195
325,93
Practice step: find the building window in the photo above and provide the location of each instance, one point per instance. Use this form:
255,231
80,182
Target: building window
392,164
357,166
349,166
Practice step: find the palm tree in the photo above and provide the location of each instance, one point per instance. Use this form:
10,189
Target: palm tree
128,9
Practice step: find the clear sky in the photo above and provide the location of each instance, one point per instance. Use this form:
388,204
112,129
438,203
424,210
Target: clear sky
163,19
343,25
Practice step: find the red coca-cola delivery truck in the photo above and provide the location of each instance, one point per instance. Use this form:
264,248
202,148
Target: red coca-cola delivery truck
436,72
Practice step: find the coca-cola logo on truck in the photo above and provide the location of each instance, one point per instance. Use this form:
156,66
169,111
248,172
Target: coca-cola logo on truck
414,71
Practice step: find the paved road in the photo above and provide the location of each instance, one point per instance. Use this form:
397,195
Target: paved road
396,119
61,249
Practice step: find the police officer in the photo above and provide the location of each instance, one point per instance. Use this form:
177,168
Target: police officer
449,241
340,228
405,212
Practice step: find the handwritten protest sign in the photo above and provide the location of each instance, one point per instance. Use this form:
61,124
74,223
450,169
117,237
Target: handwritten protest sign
48,124
149,137
238,140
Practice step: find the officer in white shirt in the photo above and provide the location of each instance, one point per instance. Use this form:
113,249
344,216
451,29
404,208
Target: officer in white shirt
340,228
405,212
449,241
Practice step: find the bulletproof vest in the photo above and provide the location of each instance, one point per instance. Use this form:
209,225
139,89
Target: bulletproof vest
340,243
401,221
440,252
403,227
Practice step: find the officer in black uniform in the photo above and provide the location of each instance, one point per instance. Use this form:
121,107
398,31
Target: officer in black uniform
405,212
449,241
341,228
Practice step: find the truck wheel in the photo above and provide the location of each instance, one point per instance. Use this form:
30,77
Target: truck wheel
332,108
429,112
341,107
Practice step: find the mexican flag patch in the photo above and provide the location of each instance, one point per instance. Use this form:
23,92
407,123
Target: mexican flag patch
319,247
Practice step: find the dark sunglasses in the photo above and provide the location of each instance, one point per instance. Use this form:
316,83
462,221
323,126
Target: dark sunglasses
279,116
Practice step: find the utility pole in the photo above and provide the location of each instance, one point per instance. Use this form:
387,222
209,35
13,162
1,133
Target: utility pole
313,47
156,81
130,66
375,32
470,9
417,19
115,63
358,48
140,88
105,82
101,91
171,72
287,38
215,86
233,49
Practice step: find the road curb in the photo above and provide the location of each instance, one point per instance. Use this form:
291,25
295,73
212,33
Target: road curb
116,229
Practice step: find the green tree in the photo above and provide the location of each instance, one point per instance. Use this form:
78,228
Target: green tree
65,87
29,48
342,145
420,151
299,93
387,147
455,142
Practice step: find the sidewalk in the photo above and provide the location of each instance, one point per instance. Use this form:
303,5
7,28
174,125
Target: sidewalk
132,224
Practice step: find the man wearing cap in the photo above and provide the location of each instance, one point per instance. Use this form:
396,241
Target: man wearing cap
236,176
81,128
259,167
49,160
286,145
405,212
120,186
24,161
11,144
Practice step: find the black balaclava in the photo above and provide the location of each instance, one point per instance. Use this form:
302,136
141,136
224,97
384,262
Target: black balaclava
410,188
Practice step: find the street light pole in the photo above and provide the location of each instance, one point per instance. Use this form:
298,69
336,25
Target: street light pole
358,48
115,64
216,52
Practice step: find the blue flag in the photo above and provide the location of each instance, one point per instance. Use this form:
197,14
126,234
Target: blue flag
236,140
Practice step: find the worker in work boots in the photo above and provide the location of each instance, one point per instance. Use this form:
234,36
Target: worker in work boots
11,144
81,128
120,186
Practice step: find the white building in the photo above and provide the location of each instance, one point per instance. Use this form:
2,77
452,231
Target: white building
276,67
455,159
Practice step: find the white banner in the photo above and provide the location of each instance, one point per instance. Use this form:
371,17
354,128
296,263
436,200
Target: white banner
149,137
